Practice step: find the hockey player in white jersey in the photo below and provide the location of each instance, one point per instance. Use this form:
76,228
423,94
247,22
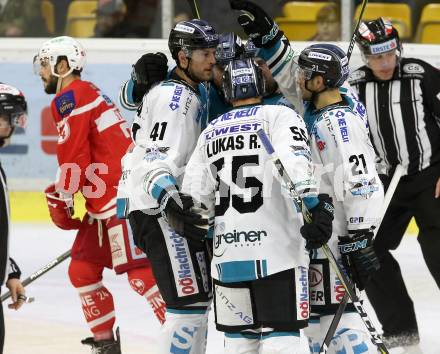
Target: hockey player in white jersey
165,132
260,261
342,149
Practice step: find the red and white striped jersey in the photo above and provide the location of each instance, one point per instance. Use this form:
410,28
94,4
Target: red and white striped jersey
92,138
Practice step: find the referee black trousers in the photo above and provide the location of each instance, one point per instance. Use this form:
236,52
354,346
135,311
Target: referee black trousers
386,290
2,329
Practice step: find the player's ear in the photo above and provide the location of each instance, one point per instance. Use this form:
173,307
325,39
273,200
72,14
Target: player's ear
319,82
62,67
183,60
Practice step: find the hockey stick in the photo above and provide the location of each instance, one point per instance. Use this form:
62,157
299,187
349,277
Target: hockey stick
353,37
346,282
194,8
388,196
39,273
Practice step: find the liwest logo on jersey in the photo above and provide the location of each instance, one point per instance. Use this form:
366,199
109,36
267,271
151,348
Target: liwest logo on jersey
181,263
174,104
302,291
245,127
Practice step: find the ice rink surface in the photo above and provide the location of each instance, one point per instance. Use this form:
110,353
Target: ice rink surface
54,323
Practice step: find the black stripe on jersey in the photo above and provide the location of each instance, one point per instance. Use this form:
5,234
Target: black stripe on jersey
407,104
382,99
278,59
393,120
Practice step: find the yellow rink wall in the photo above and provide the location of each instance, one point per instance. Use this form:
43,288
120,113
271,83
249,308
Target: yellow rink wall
32,207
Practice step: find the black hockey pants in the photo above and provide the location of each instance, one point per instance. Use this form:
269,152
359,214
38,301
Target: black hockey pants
386,291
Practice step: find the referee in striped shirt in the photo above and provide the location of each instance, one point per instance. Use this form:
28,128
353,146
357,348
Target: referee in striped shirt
402,98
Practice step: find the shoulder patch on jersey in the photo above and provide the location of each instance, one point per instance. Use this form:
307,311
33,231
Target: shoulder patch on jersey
65,103
357,75
413,68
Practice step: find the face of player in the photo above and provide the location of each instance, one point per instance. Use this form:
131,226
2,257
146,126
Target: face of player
202,63
305,84
49,81
5,127
217,75
382,65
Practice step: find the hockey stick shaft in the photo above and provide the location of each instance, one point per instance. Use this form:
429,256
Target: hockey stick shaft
353,37
388,196
346,282
52,264
194,8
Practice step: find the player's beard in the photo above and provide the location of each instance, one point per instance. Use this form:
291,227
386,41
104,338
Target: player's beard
51,86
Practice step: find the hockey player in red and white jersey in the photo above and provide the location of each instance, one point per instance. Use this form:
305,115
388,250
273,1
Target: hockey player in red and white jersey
260,263
92,138
342,150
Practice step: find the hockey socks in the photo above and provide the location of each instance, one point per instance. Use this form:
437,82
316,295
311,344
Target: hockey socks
143,282
185,332
96,300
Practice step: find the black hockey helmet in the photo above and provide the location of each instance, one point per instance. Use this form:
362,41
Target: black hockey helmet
326,60
230,47
377,37
242,79
13,108
191,35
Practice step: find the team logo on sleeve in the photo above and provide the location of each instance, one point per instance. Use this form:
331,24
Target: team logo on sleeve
156,153
364,187
65,103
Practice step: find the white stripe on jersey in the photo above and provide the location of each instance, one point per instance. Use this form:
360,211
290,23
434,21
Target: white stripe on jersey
87,107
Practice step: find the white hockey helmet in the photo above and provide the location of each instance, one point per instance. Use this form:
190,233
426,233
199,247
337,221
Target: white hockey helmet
65,46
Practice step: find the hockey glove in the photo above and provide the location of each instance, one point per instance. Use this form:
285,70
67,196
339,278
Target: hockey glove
257,24
148,70
182,217
319,231
61,209
359,257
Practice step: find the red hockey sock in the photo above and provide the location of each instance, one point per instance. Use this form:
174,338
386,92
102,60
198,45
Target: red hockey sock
96,300
143,282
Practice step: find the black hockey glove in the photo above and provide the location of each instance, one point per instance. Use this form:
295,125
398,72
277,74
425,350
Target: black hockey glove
148,70
182,217
257,24
359,257
319,231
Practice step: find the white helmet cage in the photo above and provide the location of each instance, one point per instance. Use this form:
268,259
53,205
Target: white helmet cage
65,46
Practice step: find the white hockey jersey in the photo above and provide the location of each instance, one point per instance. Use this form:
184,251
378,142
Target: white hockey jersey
256,231
166,128
341,149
